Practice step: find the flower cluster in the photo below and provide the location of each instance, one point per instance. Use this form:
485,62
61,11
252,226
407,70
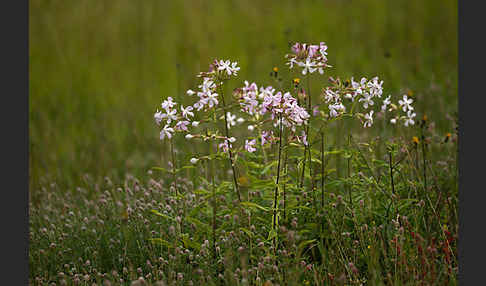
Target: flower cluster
208,98
309,57
367,94
265,104
169,115
282,107
405,104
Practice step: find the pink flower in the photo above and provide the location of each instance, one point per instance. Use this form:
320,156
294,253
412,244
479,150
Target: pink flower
304,138
250,145
186,112
168,104
313,50
225,146
265,136
297,48
182,125
166,132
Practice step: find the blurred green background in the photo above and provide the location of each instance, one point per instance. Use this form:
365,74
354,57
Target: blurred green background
99,69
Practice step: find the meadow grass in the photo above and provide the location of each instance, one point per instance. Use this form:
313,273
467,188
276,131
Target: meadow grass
100,214
98,69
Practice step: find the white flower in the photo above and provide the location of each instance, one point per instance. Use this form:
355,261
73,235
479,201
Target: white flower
182,125
240,120
168,104
195,123
375,87
189,136
308,66
207,85
171,115
405,103
393,120
366,100
291,63
350,95
335,108
232,139
235,68
331,96
250,127
194,160
225,66
158,116
250,145
212,99
231,119
186,112
190,92
368,119
386,102
409,119
166,132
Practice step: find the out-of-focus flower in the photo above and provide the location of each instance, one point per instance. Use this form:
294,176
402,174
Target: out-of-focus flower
231,119
409,120
166,132
159,116
182,125
405,103
386,102
368,119
250,145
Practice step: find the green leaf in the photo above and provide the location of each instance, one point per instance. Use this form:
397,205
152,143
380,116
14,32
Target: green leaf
255,206
265,170
271,234
161,169
304,243
162,215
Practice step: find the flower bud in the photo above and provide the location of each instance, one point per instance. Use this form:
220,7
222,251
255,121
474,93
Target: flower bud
194,160
189,136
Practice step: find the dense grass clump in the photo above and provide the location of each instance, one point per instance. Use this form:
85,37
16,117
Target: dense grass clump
138,228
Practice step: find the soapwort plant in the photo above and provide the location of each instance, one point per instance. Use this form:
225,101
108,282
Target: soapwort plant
273,137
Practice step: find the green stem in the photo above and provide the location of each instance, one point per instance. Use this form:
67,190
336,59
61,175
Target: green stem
235,181
274,223
322,170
